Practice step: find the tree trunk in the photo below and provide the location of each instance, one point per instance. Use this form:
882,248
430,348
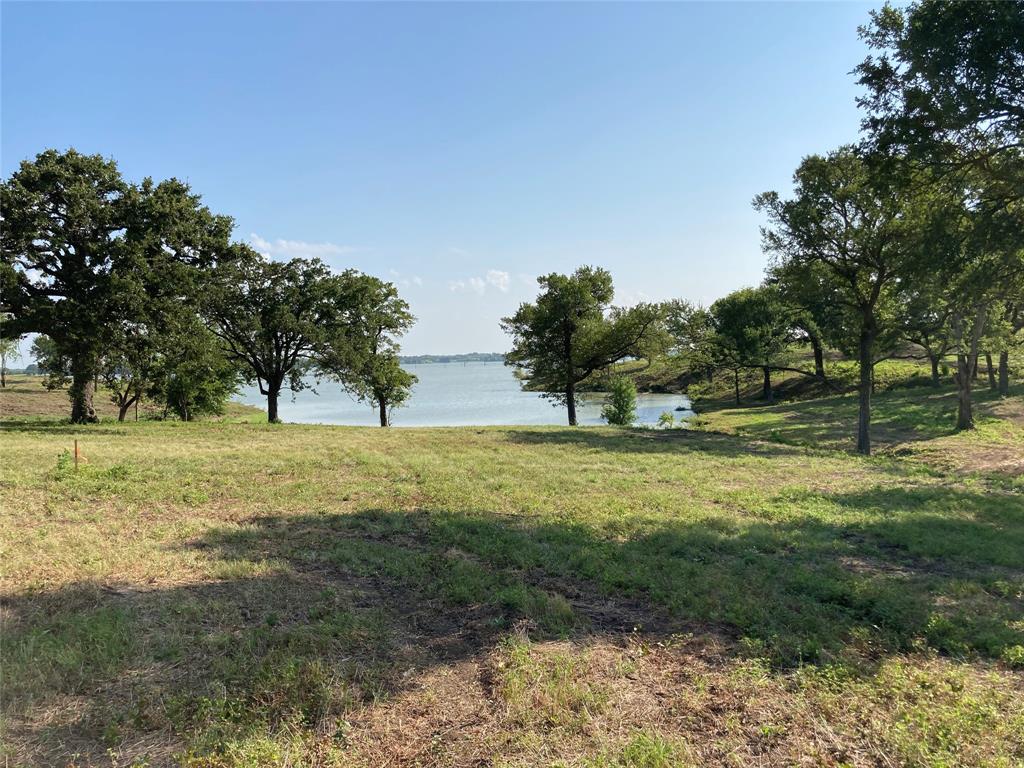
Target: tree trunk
570,402
272,395
819,358
83,386
736,384
991,371
1004,373
936,381
124,405
383,406
766,389
967,371
866,357
3,376
964,412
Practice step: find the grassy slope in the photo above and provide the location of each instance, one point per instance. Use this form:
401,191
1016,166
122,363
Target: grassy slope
238,594
912,422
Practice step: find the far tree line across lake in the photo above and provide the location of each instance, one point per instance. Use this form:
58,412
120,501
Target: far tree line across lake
909,244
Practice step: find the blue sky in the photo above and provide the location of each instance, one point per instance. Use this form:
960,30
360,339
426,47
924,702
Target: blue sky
459,150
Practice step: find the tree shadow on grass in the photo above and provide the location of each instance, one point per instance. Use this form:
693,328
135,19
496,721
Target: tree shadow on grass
888,562
58,428
651,441
916,414
312,616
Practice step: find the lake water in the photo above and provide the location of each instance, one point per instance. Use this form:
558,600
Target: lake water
456,394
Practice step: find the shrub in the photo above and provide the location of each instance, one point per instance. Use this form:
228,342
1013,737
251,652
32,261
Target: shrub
621,407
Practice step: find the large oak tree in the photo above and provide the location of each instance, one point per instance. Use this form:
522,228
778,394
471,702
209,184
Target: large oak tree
571,331
847,219
273,317
84,254
364,354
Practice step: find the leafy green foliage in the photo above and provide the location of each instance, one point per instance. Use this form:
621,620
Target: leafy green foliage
572,332
363,356
621,407
54,366
946,92
85,254
752,328
947,84
191,376
846,218
282,320
273,317
8,351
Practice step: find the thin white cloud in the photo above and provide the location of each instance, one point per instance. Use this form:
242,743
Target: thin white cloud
404,281
494,278
291,249
498,279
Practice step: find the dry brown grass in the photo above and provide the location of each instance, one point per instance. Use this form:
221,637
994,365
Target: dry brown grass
27,397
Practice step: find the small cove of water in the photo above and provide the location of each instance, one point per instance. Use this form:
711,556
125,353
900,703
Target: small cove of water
457,394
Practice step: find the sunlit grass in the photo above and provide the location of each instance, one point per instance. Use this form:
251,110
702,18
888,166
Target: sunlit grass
238,594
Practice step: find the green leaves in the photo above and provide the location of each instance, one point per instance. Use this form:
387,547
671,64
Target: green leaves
621,407
752,326
96,263
362,354
948,83
572,331
281,320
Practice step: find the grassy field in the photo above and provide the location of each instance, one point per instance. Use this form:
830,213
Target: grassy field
909,422
238,594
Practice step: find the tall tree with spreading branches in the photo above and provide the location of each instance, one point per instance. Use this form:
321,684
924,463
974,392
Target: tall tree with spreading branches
82,252
273,318
847,220
571,332
364,357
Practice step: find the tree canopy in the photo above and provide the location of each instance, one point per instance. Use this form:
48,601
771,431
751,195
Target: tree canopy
85,253
363,354
572,331
847,218
273,318
947,82
119,278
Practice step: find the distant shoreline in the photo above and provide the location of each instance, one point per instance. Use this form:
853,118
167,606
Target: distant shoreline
468,357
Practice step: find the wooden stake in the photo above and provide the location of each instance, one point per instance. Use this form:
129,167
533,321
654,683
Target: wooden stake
76,455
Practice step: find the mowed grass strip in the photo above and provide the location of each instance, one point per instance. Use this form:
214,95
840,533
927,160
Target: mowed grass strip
239,594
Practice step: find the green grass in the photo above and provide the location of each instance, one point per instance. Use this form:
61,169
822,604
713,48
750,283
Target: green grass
238,594
912,422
